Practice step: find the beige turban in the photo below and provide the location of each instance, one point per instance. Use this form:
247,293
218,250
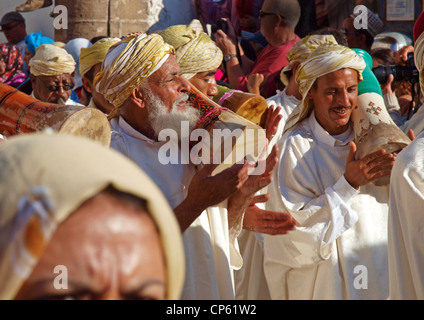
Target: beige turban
419,58
301,51
324,60
51,60
128,63
95,54
45,178
195,50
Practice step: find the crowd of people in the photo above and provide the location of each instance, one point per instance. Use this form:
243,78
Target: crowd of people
313,224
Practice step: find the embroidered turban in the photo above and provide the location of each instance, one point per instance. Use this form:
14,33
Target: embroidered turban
128,63
95,54
194,49
324,60
301,51
45,178
50,60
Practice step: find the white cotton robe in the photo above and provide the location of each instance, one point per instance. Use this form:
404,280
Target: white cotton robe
250,280
406,223
339,249
211,249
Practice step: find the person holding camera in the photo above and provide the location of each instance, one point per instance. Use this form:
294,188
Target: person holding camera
278,19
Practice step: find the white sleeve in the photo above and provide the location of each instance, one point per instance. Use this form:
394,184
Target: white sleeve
323,213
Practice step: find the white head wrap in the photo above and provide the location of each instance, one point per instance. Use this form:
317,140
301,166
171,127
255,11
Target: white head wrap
50,60
324,60
128,63
194,49
301,51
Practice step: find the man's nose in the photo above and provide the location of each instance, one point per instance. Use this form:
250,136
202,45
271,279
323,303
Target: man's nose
185,85
212,89
343,98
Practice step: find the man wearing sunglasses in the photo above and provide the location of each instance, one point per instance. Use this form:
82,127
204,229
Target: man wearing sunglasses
278,20
12,24
52,74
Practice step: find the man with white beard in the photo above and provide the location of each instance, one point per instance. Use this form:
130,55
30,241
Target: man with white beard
141,78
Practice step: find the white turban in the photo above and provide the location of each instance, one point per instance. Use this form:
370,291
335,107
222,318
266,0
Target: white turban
50,60
301,51
128,63
324,60
194,49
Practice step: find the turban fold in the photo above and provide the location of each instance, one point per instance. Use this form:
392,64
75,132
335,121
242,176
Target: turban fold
45,178
194,49
50,60
128,63
95,54
34,40
324,60
301,51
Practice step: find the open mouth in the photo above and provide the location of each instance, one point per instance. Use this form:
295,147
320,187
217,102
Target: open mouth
341,111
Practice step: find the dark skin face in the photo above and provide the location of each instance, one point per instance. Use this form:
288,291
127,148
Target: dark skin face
99,100
205,82
43,87
111,251
354,38
14,31
334,96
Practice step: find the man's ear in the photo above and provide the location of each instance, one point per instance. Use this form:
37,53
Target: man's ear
88,85
33,80
295,65
138,98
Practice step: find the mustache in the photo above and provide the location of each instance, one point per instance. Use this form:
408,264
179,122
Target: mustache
183,98
342,107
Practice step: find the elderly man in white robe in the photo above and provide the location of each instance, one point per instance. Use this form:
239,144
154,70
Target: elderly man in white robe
141,78
339,248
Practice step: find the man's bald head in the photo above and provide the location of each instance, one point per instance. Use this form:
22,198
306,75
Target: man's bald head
289,9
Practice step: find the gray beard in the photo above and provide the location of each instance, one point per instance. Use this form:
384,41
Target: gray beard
160,118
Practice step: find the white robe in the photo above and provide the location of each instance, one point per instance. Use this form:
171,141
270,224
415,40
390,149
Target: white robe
250,280
211,249
406,223
339,249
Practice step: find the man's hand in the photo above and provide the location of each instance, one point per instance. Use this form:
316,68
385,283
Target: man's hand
225,43
241,199
254,82
402,55
273,118
265,221
387,87
206,190
373,166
